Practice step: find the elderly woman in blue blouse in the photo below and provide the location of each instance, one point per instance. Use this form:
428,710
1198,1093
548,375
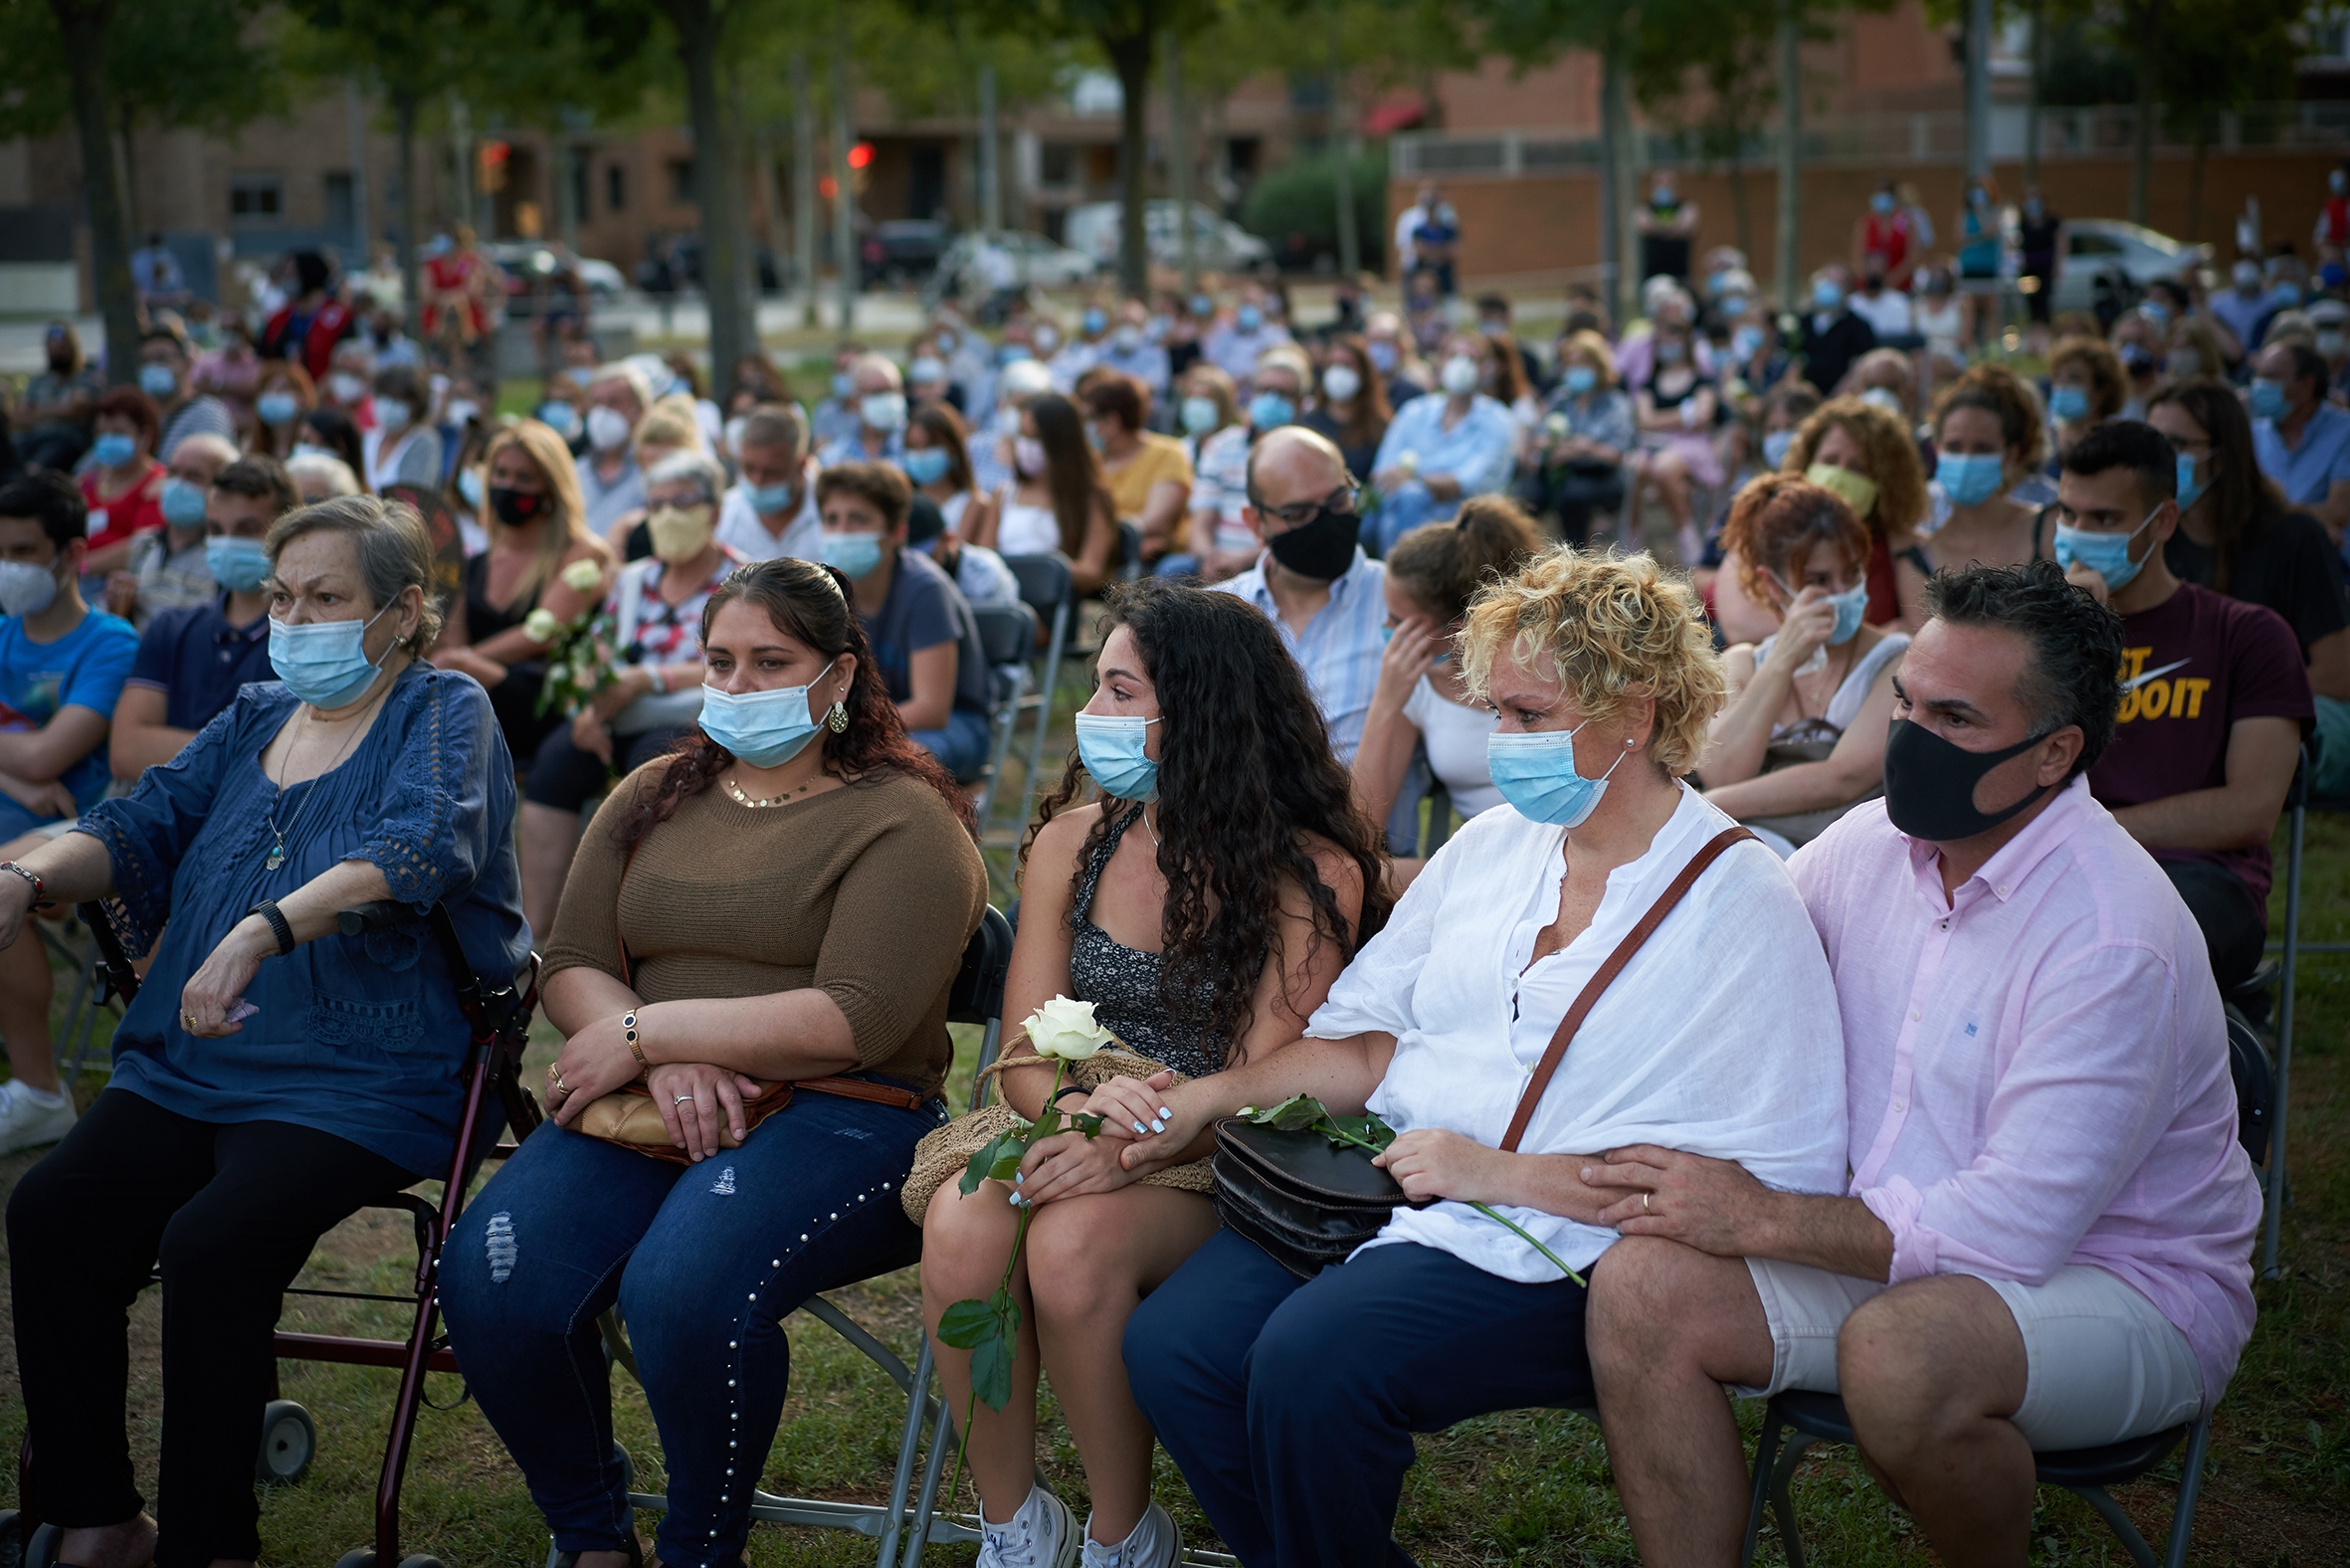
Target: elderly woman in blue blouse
1290,1405
1440,449
273,1074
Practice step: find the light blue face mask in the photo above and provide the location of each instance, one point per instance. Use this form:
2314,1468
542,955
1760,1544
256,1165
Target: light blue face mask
1827,293
1094,324
2268,398
2068,403
239,565
1745,341
157,380
1112,748
1851,606
1776,445
277,408
768,500
856,554
562,418
113,449
1248,318
1537,774
469,484
1969,479
182,502
1581,379
1271,410
763,728
324,662
2191,488
2106,554
925,465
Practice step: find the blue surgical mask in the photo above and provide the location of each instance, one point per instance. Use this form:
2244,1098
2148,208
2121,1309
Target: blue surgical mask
768,500
559,417
763,728
1581,379
1880,202
324,662
925,465
2267,401
2106,554
239,565
113,449
1112,748
1851,606
2191,488
182,502
1776,445
157,380
1537,774
1271,410
2286,295
1969,480
1095,322
469,484
1200,415
1248,318
1383,357
1745,341
841,385
1827,293
2068,403
277,408
856,554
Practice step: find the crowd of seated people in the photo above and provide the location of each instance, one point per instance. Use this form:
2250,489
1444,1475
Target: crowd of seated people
659,657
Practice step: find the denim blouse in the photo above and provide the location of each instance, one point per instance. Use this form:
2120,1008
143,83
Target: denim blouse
356,1036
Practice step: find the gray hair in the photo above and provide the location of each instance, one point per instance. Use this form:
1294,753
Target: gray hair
623,372
326,468
395,551
688,466
774,425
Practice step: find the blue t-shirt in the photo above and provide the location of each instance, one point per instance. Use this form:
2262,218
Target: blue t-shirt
923,608
85,667
198,659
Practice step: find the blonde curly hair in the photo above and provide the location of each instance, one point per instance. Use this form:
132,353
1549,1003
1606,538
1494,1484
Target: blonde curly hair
1887,454
1613,626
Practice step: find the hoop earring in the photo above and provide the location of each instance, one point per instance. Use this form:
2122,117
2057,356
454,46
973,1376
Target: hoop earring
838,719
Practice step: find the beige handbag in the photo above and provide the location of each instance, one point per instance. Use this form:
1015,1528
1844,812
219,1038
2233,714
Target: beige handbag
942,1156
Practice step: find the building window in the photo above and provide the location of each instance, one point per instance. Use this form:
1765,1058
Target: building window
616,189
1059,164
256,201
682,181
341,202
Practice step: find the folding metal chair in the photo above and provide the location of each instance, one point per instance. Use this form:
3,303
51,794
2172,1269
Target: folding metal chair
1006,635
1806,1419
2296,805
977,998
91,995
1129,549
1045,587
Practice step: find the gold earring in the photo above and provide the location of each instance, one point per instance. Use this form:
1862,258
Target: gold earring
838,719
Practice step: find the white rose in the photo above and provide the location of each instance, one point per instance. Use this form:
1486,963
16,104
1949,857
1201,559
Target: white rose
1066,1029
540,625
580,576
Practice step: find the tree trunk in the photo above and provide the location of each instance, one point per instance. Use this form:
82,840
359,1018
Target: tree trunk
1615,136
404,116
740,172
129,153
1179,170
804,186
83,25
2039,30
1791,125
844,182
1131,55
715,191
1342,157
1739,210
2148,33
2203,140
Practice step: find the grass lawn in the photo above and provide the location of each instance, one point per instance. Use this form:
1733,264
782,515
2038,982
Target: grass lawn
1528,1488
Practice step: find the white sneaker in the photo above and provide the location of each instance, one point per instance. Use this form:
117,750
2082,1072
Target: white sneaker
1042,1534
30,1118
1155,1543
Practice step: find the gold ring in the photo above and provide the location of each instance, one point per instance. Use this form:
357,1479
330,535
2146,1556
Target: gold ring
188,1019
1643,1203
555,1077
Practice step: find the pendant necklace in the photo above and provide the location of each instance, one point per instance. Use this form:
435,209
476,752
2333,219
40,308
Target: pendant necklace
277,854
757,804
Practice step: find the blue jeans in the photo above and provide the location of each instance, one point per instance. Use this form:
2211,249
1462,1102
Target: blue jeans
704,1262
1290,1405
1404,509
961,747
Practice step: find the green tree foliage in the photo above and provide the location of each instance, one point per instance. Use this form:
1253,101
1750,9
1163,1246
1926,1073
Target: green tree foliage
1300,200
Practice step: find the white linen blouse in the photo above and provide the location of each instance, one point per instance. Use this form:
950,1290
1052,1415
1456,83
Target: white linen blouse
1720,1037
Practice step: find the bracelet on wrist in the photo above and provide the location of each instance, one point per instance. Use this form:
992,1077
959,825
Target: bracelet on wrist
627,1033
280,927
1069,1088
32,879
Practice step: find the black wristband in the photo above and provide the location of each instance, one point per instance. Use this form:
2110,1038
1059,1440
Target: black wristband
267,910
1069,1088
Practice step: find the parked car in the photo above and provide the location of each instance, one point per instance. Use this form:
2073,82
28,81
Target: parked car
2110,263
674,263
1020,256
1218,244
526,261
903,251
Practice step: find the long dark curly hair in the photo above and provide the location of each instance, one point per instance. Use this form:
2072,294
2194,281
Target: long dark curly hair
811,604
1245,774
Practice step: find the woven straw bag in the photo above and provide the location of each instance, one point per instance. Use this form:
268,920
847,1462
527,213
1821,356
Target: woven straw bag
945,1154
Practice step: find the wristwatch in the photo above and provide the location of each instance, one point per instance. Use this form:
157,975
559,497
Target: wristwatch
660,679
267,910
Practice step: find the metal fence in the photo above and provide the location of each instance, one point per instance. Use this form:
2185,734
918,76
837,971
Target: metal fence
1935,137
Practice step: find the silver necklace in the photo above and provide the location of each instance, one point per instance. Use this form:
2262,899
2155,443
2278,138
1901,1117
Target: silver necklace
1147,828
277,855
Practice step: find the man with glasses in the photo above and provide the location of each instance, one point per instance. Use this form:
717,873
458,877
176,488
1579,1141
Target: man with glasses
1311,577
2215,700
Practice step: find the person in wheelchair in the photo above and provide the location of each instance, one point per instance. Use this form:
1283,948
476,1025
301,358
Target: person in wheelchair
273,1075
760,932
1203,905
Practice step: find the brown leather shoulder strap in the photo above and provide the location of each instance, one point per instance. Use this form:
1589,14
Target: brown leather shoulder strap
1633,941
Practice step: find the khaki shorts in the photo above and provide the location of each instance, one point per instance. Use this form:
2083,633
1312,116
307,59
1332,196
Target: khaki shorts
2101,1362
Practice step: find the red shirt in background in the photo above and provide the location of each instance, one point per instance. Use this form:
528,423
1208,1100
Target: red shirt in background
135,511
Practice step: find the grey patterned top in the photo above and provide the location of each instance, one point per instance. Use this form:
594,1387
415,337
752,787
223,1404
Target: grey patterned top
1122,982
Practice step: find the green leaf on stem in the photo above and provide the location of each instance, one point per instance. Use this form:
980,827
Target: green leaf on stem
964,1325
1088,1122
1011,1145
1298,1113
1357,1130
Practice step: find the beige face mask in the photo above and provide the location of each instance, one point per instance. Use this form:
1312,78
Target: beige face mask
1858,490
679,533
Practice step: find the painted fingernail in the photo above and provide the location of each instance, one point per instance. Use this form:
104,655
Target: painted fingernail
1016,1200
1164,1112
1017,1177
1158,1126
1139,1128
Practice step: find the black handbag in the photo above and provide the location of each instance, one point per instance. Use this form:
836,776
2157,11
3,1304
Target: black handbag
1310,1203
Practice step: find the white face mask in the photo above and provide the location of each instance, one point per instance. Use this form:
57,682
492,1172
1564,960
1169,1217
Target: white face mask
1341,383
1458,377
348,388
607,428
391,417
26,589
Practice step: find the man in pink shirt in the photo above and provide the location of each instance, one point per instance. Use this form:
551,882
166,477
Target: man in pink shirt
2047,1238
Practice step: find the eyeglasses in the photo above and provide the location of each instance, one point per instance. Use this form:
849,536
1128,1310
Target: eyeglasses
1347,498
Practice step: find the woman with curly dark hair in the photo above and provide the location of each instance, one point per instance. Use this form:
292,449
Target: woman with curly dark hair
760,930
1203,902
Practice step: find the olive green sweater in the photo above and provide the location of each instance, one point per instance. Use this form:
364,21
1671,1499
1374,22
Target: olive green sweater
866,892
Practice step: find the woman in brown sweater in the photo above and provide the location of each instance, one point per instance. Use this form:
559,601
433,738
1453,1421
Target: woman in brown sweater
786,897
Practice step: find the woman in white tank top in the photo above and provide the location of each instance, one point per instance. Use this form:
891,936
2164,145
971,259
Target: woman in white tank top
938,461
1055,472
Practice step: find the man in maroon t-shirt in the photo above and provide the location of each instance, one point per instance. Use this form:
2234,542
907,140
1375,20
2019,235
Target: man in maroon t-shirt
2214,696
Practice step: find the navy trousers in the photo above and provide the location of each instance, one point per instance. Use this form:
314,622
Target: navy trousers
1290,1405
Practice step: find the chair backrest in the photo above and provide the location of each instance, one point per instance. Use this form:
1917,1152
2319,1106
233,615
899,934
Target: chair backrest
1129,549
978,994
1044,581
1006,632
2256,1088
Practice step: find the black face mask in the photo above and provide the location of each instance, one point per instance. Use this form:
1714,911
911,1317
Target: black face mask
1931,784
1322,550
515,508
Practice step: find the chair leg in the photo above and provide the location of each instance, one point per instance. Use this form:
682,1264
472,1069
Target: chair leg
2119,1522
1782,1505
1766,1451
2274,1219
918,1403
943,1438
2198,1444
